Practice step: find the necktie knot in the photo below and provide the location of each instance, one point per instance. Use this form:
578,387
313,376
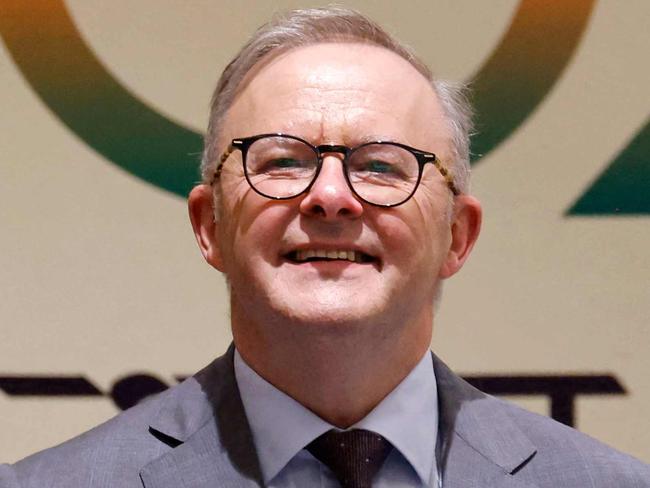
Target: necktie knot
354,456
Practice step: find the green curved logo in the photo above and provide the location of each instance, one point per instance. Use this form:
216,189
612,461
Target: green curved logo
72,82
624,187
50,52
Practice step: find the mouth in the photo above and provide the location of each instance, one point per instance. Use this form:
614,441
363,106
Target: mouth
324,255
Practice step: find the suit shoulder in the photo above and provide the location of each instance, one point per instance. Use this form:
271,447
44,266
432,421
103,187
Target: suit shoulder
575,456
110,454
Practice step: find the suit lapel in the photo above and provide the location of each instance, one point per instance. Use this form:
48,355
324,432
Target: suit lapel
200,462
478,445
465,467
206,424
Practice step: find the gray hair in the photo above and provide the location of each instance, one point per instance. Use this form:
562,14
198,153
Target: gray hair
331,24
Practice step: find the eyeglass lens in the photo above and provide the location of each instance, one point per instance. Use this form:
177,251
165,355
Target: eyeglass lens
283,167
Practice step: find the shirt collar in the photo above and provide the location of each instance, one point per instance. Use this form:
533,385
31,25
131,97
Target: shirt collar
281,427
408,418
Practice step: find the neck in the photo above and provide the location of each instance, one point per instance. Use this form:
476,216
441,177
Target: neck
341,372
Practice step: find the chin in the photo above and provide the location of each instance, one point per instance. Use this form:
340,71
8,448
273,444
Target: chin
327,312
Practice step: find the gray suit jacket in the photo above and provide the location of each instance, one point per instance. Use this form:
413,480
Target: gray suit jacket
196,435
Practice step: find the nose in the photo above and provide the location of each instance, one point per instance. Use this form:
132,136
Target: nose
330,197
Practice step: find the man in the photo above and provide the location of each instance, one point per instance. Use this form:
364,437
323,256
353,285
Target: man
335,200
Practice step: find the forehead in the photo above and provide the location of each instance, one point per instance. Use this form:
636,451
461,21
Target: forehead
342,92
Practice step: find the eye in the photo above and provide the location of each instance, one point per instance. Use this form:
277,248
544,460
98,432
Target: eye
284,163
380,167
382,164
284,167
378,170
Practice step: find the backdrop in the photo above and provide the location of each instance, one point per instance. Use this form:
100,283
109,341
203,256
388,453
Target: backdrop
105,297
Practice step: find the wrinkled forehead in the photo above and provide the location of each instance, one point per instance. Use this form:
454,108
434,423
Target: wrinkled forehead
338,92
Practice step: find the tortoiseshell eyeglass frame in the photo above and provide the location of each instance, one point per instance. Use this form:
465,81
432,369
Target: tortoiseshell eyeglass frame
422,157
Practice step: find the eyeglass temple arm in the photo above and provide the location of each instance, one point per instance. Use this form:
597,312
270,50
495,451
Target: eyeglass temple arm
449,177
217,171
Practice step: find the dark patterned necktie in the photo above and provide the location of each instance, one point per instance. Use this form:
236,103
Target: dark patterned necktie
354,456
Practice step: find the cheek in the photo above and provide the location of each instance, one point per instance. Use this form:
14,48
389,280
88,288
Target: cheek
433,204
402,237
235,216
260,227
234,186
417,235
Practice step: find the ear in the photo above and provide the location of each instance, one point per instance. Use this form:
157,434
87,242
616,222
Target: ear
465,228
206,229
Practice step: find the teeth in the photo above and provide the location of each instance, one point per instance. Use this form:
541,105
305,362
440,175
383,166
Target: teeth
304,255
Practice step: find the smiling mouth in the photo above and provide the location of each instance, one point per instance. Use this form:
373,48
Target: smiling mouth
312,255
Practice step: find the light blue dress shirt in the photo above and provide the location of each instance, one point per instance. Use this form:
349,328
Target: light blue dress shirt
282,427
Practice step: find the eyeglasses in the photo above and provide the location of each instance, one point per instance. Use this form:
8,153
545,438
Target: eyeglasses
381,173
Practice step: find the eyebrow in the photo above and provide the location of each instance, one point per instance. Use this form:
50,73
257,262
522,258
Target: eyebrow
378,138
356,141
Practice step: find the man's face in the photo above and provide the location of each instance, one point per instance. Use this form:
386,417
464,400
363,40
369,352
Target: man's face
339,94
